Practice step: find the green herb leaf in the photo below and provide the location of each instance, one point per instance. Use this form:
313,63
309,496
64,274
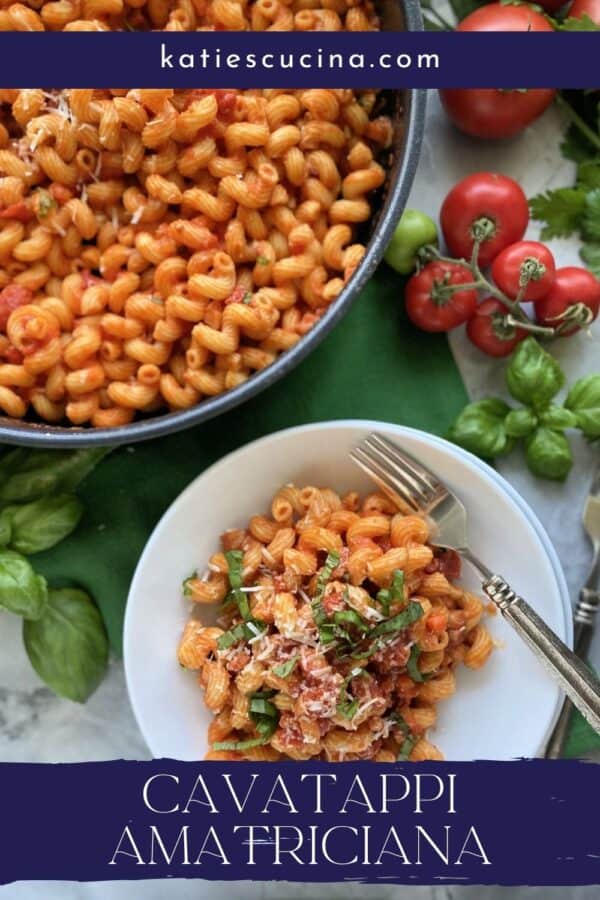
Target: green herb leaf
409,738
588,174
185,584
590,220
533,376
41,524
520,422
584,401
31,474
263,260
393,594
590,254
331,563
584,23
67,646
548,454
240,632
241,745
235,560
45,203
411,614
284,670
480,428
21,591
558,418
560,209
412,666
350,617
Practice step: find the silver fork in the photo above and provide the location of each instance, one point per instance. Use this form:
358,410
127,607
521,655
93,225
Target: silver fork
413,487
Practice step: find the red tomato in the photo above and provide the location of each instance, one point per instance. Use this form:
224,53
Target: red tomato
11,298
590,8
574,297
490,112
431,303
494,201
20,211
489,331
526,266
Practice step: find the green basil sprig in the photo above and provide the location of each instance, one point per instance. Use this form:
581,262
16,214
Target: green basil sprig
39,525
490,427
21,591
63,632
67,645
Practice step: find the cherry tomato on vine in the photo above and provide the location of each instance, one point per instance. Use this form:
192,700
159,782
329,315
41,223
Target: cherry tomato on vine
492,112
488,204
434,300
572,302
490,332
590,8
413,230
526,267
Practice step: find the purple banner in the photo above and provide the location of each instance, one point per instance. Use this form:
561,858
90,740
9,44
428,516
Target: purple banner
522,822
298,59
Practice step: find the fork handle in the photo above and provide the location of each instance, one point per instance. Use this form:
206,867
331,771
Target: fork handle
577,681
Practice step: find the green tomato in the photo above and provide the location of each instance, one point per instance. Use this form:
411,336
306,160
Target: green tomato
413,231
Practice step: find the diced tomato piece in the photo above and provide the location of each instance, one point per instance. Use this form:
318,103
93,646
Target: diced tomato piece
11,298
60,193
12,355
436,622
20,211
237,296
447,562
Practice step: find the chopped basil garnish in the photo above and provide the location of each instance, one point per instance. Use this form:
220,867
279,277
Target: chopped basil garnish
347,706
409,738
284,670
412,666
239,632
395,592
319,614
409,615
234,562
187,591
263,260
351,617
247,298
265,716
46,203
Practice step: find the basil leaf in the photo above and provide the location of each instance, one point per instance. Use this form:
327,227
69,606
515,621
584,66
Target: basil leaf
395,592
331,563
347,705
351,617
558,418
284,670
409,738
5,529
241,632
241,745
520,422
31,474
21,591
480,429
347,708
258,706
584,400
533,376
234,562
411,614
41,524
412,666
548,454
185,584
67,646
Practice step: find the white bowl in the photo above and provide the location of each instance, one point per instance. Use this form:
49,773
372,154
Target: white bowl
503,711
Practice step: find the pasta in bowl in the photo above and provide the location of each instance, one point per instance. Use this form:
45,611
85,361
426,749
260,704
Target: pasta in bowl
338,632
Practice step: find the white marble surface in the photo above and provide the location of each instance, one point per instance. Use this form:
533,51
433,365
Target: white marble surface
36,726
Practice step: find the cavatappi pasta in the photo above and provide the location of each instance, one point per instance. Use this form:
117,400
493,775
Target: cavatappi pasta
338,633
158,247
188,15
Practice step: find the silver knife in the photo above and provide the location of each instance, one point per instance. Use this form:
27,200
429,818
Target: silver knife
584,618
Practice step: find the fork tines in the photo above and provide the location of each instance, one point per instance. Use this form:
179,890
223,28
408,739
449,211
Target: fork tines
398,475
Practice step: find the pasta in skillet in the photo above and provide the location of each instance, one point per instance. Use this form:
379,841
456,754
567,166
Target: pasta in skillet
338,634
158,247
188,15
